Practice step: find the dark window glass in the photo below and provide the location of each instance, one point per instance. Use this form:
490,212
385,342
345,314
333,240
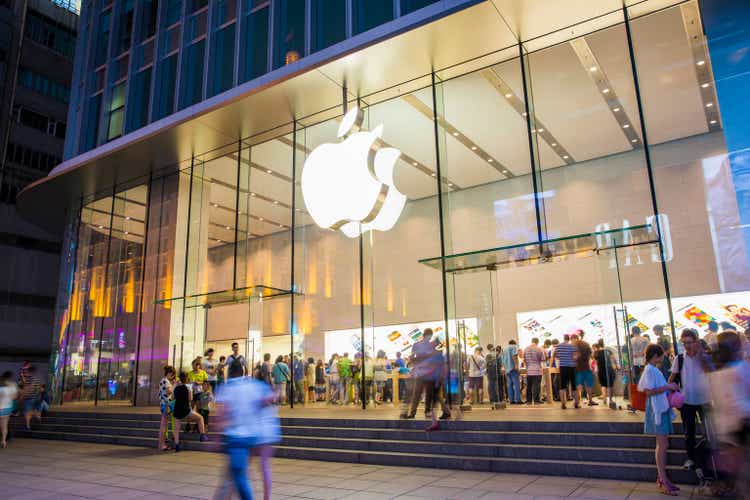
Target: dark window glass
35,159
222,60
166,75
368,14
225,11
60,130
194,5
191,75
290,32
102,38
140,93
174,12
33,119
412,5
328,23
125,28
254,44
148,22
48,32
91,123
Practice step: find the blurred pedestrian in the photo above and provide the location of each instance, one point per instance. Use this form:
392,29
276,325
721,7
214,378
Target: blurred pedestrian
166,404
659,415
30,392
250,425
8,394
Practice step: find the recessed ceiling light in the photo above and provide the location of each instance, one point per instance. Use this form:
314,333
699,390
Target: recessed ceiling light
219,241
593,68
450,184
127,232
627,125
415,163
228,227
473,148
433,174
215,204
605,91
616,110
705,85
101,227
709,104
127,218
268,170
456,134
566,157
701,62
252,194
634,140
260,219
713,122
508,95
281,225
490,160
505,171
523,114
541,130
275,202
554,144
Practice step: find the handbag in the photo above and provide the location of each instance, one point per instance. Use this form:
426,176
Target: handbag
676,399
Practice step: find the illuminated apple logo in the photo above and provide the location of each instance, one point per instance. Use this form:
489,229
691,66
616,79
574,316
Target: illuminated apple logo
349,185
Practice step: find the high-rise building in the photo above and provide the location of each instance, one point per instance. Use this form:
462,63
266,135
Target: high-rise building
37,41
320,177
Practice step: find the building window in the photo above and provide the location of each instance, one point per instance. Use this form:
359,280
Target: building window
27,157
368,14
408,6
90,126
125,28
140,93
173,13
254,39
328,23
116,110
222,60
191,75
49,33
166,74
102,38
148,21
290,32
43,85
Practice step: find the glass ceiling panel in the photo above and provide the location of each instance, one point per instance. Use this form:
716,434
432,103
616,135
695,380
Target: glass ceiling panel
232,296
546,251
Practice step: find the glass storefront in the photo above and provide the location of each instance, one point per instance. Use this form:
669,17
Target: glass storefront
578,181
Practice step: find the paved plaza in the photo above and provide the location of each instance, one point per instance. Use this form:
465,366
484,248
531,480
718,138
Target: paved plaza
41,469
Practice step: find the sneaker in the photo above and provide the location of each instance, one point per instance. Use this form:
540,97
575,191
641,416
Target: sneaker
593,403
203,438
688,465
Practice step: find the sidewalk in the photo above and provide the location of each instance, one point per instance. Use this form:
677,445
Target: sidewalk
40,469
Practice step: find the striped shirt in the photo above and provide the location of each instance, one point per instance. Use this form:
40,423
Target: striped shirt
565,354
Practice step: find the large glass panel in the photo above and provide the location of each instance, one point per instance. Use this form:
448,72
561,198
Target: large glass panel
138,101
165,87
120,333
690,113
254,39
124,33
328,23
116,111
191,74
101,43
222,59
149,12
368,14
289,26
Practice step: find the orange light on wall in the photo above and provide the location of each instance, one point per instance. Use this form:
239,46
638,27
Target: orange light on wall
291,57
389,295
327,283
403,302
128,299
312,278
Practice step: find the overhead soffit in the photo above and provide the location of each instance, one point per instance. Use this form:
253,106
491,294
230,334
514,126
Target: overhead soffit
583,116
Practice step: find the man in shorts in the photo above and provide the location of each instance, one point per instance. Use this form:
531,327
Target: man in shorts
476,375
564,355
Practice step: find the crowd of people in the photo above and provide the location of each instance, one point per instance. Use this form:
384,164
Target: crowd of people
23,394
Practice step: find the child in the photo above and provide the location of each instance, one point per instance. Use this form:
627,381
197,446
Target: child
220,370
182,411
205,400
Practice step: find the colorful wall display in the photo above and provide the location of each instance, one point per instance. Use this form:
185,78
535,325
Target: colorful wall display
729,310
393,338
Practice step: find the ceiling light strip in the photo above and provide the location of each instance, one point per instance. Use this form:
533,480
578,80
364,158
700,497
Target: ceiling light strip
423,108
702,65
517,104
606,90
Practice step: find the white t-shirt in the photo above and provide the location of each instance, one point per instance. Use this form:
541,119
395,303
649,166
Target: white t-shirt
476,365
694,381
247,411
639,344
7,394
652,378
209,365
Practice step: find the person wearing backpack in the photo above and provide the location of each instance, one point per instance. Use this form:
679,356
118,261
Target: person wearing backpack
689,371
236,364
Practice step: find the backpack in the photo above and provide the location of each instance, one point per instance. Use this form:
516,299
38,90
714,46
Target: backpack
235,367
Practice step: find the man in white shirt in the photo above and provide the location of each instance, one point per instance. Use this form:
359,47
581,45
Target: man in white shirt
689,371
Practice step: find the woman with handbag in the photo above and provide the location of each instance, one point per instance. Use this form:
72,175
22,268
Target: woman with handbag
659,414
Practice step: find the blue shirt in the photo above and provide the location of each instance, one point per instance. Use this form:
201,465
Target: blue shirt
299,370
509,355
566,354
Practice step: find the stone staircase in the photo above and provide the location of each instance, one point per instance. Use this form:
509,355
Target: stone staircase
603,450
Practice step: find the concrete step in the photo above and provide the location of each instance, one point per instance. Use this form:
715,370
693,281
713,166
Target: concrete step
598,470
